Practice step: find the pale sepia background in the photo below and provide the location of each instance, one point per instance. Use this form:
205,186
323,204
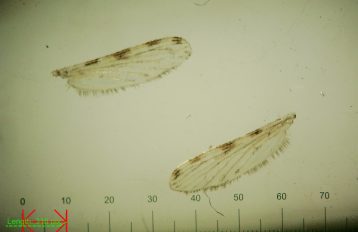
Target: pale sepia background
252,62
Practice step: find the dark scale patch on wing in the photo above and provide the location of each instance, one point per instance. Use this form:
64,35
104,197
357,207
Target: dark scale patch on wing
177,40
60,73
176,173
255,132
195,159
95,61
121,54
226,147
153,42
56,73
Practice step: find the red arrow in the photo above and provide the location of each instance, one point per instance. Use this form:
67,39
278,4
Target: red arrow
64,220
26,219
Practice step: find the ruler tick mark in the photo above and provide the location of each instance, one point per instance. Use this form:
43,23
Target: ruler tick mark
325,219
282,219
152,221
109,221
238,219
260,225
196,222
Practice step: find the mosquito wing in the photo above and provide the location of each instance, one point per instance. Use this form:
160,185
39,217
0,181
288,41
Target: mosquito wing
227,162
126,68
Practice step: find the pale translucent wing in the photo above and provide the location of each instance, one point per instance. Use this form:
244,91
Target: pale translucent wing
126,68
227,162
